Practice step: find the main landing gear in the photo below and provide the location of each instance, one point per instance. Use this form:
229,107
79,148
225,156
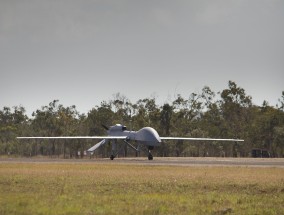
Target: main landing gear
116,152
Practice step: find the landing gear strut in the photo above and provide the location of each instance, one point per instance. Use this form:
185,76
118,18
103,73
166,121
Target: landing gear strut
150,156
115,152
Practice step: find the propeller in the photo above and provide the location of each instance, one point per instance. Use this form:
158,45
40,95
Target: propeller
105,127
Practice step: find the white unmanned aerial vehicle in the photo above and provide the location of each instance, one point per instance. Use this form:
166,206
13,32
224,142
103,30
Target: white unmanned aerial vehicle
146,136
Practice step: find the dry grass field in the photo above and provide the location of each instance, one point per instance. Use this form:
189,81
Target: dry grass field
112,188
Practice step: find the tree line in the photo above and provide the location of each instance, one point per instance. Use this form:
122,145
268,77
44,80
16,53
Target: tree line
226,114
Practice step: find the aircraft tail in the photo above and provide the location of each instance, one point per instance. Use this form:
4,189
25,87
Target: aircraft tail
93,148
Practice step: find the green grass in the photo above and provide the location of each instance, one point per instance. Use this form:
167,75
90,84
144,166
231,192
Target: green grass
85,188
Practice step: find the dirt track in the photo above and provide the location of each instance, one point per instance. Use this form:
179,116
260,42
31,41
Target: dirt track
189,161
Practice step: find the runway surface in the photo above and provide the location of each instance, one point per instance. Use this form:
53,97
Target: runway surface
169,161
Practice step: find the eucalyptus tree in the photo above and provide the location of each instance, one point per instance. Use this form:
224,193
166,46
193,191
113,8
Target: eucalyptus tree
68,123
140,118
186,118
165,125
181,118
44,124
278,146
268,129
53,120
235,109
279,130
166,118
211,116
146,113
281,101
21,123
96,117
7,128
211,123
122,108
12,123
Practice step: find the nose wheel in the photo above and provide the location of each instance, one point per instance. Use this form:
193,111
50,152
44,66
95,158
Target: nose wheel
150,156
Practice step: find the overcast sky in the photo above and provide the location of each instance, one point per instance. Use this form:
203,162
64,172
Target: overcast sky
84,51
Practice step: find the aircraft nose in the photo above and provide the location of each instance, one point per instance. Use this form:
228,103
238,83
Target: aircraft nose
149,136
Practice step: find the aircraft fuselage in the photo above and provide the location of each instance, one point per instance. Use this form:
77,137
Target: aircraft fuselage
147,136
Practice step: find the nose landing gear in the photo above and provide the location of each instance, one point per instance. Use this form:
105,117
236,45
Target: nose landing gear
150,156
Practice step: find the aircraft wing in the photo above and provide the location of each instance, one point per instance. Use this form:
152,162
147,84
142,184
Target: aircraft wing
206,139
77,137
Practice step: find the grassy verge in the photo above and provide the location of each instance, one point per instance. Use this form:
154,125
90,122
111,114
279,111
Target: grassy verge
82,188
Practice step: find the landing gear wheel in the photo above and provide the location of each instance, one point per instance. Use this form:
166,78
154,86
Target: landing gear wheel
111,157
150,157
